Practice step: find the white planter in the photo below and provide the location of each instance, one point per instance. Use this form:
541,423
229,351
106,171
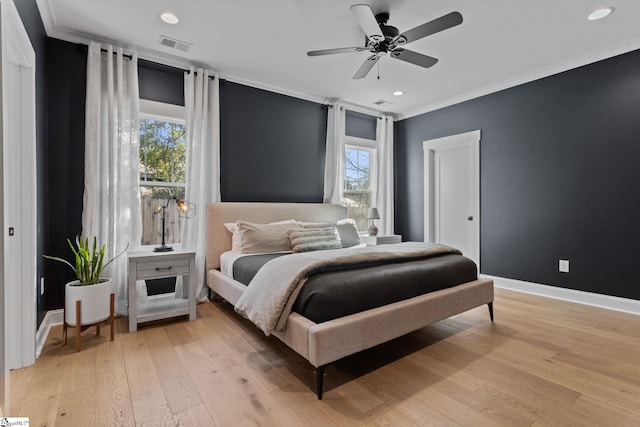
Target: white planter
95,302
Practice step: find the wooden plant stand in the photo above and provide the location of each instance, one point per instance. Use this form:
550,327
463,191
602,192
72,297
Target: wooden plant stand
80,327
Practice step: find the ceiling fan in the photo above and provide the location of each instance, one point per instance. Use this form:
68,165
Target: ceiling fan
382,39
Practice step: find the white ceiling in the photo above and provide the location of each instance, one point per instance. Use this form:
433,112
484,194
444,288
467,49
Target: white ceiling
501,43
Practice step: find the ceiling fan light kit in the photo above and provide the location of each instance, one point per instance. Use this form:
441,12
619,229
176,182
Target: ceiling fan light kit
382,39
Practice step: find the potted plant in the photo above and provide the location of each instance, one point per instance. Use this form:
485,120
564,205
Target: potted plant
92,291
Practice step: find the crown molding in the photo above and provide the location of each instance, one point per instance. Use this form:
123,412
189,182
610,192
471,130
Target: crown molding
526,78
52,29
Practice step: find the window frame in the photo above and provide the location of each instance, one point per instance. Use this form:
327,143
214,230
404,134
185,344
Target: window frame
370,145
169,113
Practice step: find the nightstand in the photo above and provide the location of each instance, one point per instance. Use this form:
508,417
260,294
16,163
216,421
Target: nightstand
147,264
381,239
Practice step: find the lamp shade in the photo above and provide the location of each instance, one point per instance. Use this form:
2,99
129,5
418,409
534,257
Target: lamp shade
373,214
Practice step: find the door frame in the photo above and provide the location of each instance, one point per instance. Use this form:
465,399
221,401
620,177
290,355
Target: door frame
19,308
431,148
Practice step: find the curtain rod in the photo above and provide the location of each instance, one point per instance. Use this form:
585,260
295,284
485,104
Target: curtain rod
347,108
196,73
131,56
115,53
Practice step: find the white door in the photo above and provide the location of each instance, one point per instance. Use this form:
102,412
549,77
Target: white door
452,192
18,214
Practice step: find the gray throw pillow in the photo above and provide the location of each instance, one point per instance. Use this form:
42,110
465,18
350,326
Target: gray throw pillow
314,239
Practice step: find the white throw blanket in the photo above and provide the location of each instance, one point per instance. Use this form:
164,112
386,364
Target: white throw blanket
268,299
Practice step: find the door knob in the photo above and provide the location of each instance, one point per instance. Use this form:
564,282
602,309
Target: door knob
469,218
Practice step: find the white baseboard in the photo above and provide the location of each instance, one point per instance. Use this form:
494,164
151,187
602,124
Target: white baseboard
52,318
625,305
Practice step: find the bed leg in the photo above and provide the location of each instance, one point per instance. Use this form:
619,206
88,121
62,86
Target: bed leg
490,305
319,380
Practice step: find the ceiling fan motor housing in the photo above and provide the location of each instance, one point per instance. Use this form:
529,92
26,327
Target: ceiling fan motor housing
389,33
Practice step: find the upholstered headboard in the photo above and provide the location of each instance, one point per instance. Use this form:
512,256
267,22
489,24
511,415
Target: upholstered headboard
219,239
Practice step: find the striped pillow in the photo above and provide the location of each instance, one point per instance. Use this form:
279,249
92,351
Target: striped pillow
314,239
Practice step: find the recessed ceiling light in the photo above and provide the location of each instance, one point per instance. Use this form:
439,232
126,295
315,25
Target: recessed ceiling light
398,93
601,13
169,18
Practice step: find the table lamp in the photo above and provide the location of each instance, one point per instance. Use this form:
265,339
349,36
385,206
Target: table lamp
373,214
185,210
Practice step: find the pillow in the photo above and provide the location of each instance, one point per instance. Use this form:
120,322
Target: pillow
314,239
265,238
236,242
348,233
316,224
347,230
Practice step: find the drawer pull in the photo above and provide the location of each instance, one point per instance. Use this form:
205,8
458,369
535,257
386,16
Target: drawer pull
163,268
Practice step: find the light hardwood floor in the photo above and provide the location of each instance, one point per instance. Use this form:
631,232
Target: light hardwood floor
543,362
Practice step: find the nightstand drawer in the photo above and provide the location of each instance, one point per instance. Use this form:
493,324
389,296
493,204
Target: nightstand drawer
149,270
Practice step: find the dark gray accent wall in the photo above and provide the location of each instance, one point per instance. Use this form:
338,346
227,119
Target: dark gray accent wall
30,16
360,125
272,146
559,176
160,83
67,69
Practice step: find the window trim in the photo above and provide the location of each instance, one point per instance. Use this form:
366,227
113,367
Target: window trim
352,142
169,113
360,142
163,111
144,183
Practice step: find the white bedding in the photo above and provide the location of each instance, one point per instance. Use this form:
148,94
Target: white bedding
226,262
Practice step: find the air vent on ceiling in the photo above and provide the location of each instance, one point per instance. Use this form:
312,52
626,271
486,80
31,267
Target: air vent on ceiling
175,44
382,102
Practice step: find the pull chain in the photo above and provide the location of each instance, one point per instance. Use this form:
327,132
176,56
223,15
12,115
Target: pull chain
378,70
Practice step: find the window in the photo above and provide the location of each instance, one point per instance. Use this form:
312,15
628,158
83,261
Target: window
359,182
162,170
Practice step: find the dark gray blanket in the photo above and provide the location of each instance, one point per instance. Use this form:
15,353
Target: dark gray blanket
330,295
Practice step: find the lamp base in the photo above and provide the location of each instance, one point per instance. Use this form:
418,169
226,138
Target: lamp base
373,230
163,248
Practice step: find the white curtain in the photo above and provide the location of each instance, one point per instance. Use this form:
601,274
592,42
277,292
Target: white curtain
201,94
384,197
111,203
334,158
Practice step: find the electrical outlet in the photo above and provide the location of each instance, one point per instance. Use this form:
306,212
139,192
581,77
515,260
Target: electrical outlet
563,266
42,286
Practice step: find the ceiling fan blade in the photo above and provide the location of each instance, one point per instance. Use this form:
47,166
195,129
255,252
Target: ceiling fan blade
439,24
366,67
338,50
367,20
414,58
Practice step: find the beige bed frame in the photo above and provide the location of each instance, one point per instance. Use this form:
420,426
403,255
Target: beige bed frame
323,343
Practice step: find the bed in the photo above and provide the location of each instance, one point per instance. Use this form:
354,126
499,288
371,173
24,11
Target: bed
325,342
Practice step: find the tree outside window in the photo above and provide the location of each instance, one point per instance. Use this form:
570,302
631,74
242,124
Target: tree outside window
162,177
357,184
